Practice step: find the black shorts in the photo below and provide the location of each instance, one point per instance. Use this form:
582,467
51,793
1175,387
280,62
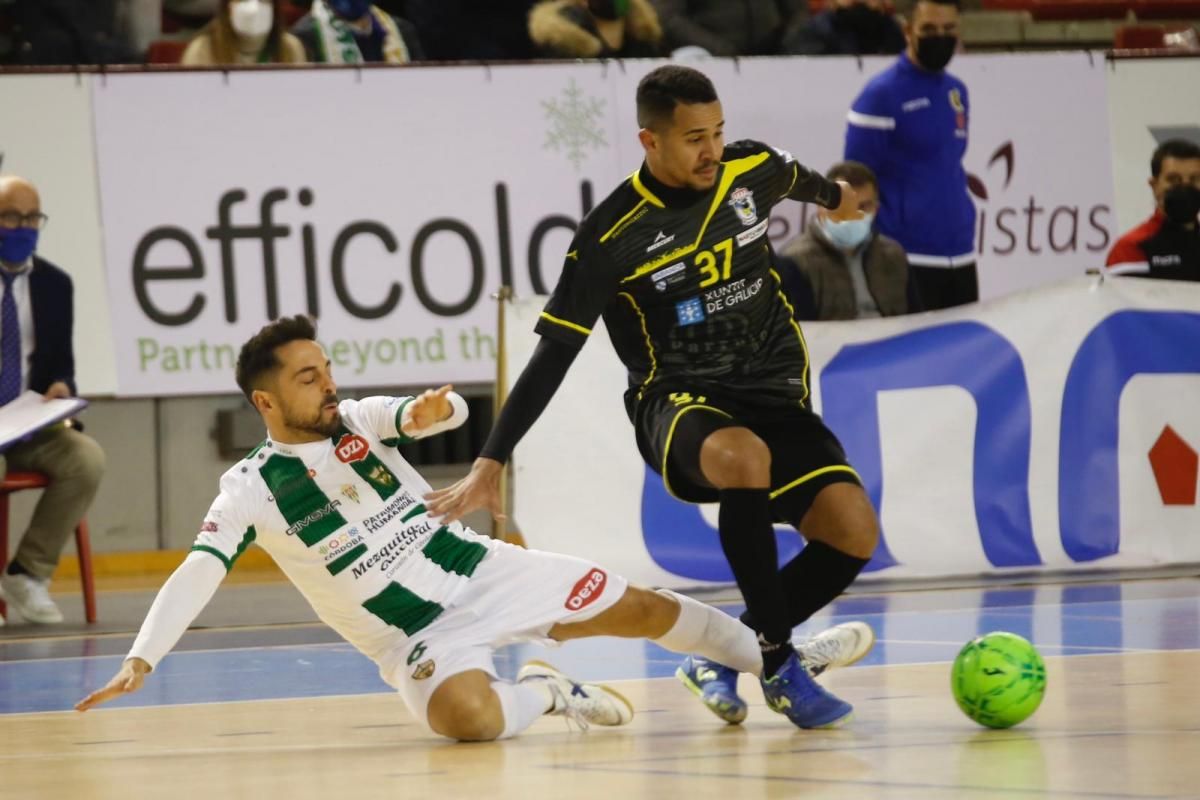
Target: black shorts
806,457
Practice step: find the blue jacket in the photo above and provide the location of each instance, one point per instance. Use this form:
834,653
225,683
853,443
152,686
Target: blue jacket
910,127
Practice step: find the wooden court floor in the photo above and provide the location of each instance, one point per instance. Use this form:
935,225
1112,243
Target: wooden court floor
1113,725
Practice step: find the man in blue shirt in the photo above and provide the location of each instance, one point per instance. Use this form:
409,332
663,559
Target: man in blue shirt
909,125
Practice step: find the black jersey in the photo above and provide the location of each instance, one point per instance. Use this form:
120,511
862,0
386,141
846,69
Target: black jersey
689,296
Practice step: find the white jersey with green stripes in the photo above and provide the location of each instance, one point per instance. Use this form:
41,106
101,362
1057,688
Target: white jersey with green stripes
344,519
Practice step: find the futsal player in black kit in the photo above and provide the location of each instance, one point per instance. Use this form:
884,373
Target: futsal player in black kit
677,261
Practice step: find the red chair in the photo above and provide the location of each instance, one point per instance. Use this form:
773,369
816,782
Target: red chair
165,51
20,481
1140,37
292,14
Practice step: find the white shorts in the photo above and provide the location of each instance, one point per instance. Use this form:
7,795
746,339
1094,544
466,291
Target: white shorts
516,595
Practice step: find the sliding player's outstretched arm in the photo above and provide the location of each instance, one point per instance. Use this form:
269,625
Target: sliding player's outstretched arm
227,531
178,603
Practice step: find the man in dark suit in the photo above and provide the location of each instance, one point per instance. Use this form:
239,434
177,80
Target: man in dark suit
35,355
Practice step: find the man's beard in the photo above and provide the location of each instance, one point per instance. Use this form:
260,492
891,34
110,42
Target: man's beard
315,423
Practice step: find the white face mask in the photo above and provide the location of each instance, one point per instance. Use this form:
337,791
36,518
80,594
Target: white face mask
251,18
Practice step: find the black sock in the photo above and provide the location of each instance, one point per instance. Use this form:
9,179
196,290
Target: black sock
15,568
813,580
748,540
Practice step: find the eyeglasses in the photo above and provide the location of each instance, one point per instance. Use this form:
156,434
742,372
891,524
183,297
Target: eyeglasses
15,219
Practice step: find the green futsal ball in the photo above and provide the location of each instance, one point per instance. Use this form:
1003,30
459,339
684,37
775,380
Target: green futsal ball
998,679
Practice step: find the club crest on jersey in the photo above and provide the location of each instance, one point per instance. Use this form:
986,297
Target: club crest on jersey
351,492
741,200
380,476
350,448
424,670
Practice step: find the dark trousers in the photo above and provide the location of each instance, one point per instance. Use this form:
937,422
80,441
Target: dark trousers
946,287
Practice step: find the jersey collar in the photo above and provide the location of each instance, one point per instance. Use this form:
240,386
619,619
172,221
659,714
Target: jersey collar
669,196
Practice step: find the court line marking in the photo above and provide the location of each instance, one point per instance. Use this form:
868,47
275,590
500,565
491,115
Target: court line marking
864,667
954,788
956,643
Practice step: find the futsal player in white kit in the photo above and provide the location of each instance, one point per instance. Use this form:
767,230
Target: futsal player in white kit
331,499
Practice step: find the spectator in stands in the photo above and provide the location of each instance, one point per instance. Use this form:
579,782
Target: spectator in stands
732,27
850,28
192,8
461,30
909,125
1168,244
355,31
139,22
595,29
850,271
70,32
36,355
245,32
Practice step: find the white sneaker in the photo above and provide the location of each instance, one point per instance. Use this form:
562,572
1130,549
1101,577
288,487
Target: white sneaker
583,703
30,598
839,646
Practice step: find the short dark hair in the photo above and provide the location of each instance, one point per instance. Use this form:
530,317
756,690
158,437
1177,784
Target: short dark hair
854,173
257,358
663,88
1172,148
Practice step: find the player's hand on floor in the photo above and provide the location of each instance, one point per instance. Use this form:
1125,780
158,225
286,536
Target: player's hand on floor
480,489
127,680
430,407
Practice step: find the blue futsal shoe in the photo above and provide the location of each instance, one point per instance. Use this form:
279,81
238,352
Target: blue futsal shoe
716,686
793,693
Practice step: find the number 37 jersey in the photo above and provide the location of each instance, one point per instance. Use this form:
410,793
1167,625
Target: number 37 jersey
688,294
344,519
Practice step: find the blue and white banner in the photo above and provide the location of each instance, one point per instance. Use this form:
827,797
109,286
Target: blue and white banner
1051,430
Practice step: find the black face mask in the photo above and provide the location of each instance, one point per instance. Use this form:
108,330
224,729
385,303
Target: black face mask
935,52
609,9
866,23
1181,204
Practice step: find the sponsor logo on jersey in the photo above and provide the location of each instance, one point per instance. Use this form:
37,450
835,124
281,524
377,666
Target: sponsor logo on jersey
588,588
391,555
741,200
377,521
746,237
351,493
208,527
332,548
916,104
725,297
662,278
424,670
689,312
314,516
417,652
662,240
1172,260
350,448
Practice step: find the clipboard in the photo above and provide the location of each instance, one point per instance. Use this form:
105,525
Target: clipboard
31,412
